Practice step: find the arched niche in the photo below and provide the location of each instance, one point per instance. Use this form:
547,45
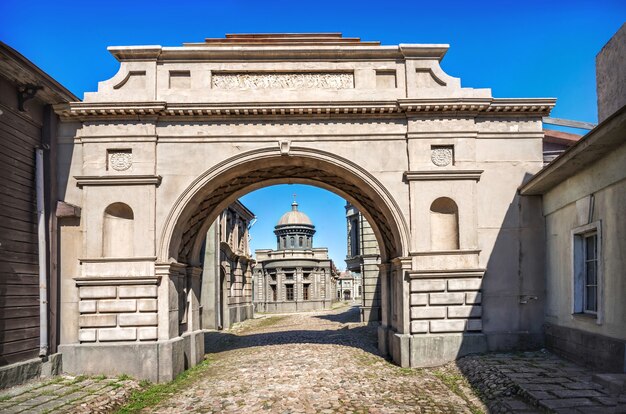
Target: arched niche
444,224
118,231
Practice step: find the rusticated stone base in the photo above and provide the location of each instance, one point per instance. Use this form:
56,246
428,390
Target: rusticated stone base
20,372
588,349
159,361
433,350
293,306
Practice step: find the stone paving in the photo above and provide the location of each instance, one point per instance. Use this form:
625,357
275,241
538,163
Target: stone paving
67,394
314,363
541,381
326,362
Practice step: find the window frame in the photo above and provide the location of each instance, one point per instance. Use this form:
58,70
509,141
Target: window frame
579,238
288,288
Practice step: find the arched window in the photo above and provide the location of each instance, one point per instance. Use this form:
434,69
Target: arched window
300,241
444,224
292,242
117,231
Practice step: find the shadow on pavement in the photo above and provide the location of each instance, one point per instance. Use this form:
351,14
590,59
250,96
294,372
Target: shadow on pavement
361,337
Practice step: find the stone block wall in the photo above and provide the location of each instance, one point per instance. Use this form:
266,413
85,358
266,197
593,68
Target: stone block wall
117,313
445,305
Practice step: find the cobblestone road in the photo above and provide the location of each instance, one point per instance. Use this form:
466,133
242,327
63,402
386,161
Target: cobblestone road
314,362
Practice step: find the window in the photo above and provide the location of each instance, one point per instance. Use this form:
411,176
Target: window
587,271
289,292
354,237
300,241
359,289
292,242
590,297
305,292
289,276
274,293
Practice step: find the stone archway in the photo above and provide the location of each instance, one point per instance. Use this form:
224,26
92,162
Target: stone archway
180,132
198,206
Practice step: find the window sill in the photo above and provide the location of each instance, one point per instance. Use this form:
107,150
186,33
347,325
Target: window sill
589,317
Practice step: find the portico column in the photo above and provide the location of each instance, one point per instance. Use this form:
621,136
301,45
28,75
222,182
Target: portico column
400,340
169,290
385,309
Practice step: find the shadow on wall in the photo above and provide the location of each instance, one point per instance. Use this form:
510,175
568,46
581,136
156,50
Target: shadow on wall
513,288
361,337
510,300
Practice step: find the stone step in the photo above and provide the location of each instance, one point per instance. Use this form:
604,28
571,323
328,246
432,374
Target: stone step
614,383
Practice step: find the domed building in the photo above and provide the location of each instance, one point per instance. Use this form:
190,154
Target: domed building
296,276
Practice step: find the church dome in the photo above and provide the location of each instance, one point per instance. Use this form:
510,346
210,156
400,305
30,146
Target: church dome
294,217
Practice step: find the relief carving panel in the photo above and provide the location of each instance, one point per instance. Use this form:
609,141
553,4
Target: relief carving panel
119,160
286,80
442,156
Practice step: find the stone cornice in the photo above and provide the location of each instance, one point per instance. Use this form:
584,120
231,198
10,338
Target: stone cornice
432,175
117,259
117,280
470,106
430,274
308,52
85,180
479,105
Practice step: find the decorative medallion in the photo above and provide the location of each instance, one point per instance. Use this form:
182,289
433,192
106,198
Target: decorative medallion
293,80
120,160
441,156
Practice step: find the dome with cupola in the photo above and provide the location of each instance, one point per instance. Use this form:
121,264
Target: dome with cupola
294,217
294,230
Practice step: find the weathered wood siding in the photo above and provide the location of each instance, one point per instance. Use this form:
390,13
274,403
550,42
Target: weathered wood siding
19,283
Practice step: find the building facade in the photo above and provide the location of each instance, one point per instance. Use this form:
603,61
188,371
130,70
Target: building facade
226,292
296,276
179,133
29,216
349,286
363,259
583,193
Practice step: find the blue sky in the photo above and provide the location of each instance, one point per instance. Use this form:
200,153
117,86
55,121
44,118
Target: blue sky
325,209
517,48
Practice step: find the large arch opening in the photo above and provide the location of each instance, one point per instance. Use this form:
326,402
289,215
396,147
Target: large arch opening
211,193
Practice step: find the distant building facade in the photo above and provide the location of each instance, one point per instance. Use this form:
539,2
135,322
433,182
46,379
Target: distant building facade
349,286
226,292
296,276
363,258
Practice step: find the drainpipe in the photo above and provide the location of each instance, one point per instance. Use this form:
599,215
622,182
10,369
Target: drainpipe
41,234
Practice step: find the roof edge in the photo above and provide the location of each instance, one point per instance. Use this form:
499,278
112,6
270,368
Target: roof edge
601,140
55,87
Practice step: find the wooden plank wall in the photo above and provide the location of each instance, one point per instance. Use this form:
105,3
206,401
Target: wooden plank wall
19,280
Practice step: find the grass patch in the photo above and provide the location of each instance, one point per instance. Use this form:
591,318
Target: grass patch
271,321
5,398
456,383
152,394
78,379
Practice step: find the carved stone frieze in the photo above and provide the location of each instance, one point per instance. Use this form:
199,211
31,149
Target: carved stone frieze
287,80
